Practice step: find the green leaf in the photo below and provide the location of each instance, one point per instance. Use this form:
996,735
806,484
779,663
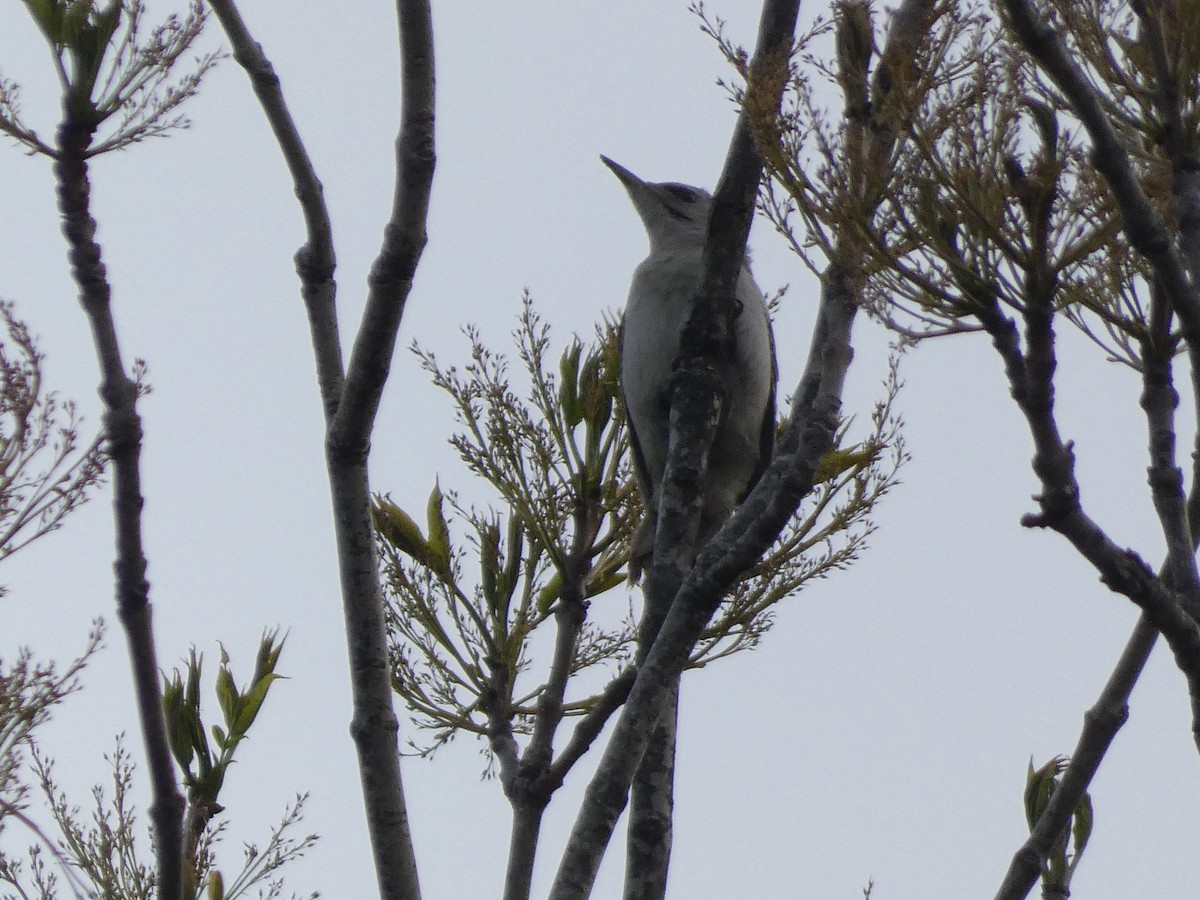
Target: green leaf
1039,786
591,386
489,563
835,462
92,33
195,663
222,740
397,528
1081,827
1045,120
549,593
269,650
855,46
107,21
74,21
176,718
252,702
599,583
48,14
198,740
228,696
514,547
439,533
568,391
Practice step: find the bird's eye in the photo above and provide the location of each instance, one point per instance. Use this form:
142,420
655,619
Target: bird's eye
679,191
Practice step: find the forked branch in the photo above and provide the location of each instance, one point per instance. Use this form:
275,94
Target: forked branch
351,400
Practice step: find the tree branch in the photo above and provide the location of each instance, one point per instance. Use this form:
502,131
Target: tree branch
522,848
816,402
351,406
1111,709
1142,222
697,397
756,523
1100,725
650,827
588,728
404,236
123,433
569,619
1179,144
696,402
525,778
1159,401
315,261
1121,570
695,410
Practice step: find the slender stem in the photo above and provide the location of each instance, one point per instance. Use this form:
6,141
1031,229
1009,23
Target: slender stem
652,791
526,778
123,433
374,726
590,725
695,409
497,704
315,261
351,405
569,619
404,238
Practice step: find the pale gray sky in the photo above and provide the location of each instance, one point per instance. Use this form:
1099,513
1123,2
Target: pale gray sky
883,729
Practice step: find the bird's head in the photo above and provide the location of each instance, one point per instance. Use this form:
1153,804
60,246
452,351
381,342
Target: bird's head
672,213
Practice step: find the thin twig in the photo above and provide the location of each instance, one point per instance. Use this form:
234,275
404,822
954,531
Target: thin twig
315,261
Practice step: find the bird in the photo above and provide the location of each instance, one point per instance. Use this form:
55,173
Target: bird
662,294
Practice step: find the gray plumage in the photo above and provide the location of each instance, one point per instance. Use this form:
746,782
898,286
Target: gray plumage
660,301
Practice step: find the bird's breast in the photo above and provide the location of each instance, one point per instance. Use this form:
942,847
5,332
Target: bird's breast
660,302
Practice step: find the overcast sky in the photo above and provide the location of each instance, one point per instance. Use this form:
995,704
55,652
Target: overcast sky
883,729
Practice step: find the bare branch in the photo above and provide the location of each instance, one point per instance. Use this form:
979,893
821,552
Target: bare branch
1100,725
315,261
351,405
1143,223
123,434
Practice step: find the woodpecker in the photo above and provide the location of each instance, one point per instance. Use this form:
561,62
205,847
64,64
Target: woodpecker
661,297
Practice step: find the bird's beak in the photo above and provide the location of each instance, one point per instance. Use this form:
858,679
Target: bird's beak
627,178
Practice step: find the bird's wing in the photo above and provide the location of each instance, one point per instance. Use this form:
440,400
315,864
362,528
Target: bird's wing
769,426
640,472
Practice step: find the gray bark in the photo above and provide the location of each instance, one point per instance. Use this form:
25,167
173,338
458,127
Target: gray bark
522,849
351,401
651,809
123,437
